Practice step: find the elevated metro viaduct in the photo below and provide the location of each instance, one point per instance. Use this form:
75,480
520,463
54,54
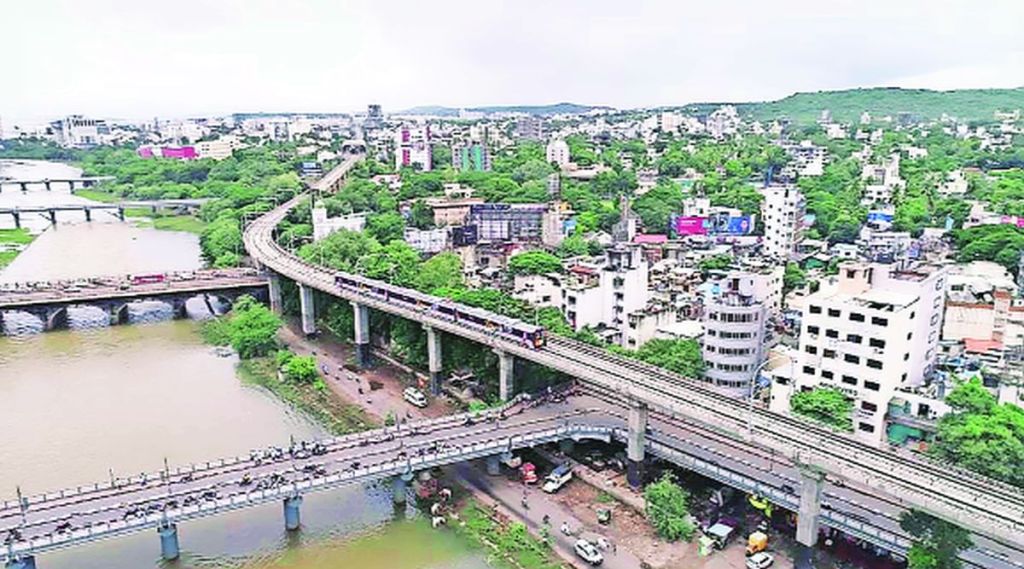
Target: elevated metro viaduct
984,506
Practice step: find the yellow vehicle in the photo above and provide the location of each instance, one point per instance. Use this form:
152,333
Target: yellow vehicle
757,542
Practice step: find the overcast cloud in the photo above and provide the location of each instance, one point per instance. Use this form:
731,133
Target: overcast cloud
137,59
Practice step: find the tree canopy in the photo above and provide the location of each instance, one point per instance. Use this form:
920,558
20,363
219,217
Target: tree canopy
824,405
666,505
937,543
534,262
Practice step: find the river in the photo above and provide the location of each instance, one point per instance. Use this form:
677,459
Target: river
77,403
80,402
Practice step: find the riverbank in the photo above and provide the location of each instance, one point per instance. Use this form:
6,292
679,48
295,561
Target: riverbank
146,218
12,241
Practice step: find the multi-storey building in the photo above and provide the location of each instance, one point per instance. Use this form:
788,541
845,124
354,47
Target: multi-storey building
557,152
734,331
219,149
869,331
783,213
472,157
77,131
412,147
529,128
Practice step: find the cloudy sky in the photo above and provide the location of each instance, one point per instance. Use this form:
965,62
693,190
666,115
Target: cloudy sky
139,59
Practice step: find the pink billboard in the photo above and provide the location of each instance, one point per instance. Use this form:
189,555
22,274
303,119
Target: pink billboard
690,225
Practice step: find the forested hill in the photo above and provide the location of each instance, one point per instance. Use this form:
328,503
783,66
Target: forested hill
847,106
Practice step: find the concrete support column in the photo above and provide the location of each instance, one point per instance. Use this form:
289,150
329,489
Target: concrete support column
88,214
274,292
168,541
506,375
291,513
434,359
27,562
24,186
811,482
53,216
400,488
17,219
635,445
47,184
120,213
361,336
493,465
308,310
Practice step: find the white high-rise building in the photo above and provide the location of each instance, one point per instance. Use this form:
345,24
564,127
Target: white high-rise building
868,331
734,324
412,147
783,214
558,153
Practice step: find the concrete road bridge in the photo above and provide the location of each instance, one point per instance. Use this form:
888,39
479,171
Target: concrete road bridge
49,301
36,524
50,212
48,183
982,505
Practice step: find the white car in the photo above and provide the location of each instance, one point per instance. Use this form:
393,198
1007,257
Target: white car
588,552
415,397
760,560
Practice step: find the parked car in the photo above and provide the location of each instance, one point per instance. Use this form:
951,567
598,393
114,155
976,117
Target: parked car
588,552
415,397
760,560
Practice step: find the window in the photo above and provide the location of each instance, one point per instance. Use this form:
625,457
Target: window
850,358
849,380
831,333
809,370
874,364
827,374
829,353
866,427
873,386
879,321
855,338
868,406
834,313
712,332
856,317
815,310
912,315
906,356
813,330
876,343
811,349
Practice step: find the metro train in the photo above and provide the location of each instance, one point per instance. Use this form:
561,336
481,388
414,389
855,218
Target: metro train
528,334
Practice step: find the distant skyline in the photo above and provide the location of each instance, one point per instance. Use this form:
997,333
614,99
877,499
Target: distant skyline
134,60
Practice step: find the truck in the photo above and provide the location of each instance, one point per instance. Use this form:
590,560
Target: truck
558,477
757,542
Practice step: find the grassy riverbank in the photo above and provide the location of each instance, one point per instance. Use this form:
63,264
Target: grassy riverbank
315,399
12,241
509,543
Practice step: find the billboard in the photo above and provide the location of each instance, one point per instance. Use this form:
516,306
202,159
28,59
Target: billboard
689,225
464,235
879,216
724,224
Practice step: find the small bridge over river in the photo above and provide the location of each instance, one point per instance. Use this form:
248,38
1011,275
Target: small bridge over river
49,183
116,209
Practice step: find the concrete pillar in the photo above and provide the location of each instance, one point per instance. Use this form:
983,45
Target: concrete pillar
24,186
291,512
17,219
811,482
53,216
493,465
88,214
120,213
27,562
506,375
47,184
635,443
308,310
168,541
274,289
434,359
361,336
400,487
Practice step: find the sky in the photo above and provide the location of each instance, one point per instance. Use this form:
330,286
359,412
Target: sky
133,60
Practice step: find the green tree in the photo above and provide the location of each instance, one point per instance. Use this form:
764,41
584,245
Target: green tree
681,356
421,216
573,246
666,504
301,369
657,206
386,227
253,328
441,271
824,405
716,263
981,434
793,278
534,262
937,543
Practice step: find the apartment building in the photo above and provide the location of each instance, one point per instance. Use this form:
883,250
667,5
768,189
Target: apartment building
472,157
869,331
412,147
77,131
529,128
734,331
783,213
557,152
220,148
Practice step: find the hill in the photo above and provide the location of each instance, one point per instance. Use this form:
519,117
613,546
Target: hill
847,106
555,109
